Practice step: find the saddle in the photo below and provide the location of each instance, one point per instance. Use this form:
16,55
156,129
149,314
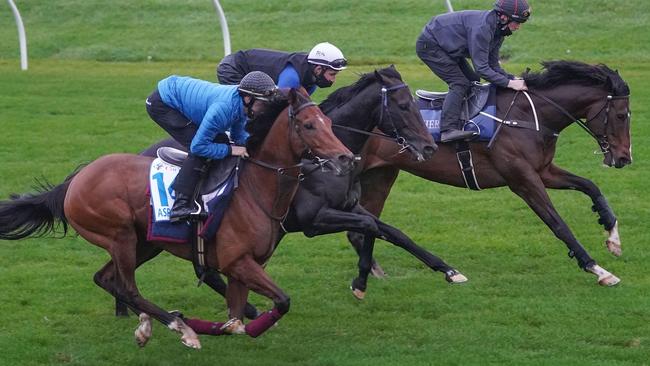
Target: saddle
217,174
472,105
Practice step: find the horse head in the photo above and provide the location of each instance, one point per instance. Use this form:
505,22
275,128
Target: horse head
379,100
594,92
611,123
310,132
399,115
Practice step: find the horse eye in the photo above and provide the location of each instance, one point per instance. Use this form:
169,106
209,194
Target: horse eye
620,116
308,126
404,107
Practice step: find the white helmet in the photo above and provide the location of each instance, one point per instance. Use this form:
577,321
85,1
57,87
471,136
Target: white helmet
327,54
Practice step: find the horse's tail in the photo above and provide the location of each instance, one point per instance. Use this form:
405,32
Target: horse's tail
35,214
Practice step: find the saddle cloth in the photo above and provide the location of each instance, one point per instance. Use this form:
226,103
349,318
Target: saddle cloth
215,194
480,103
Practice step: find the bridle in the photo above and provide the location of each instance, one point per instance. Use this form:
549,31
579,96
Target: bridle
283,173
601,139
397,138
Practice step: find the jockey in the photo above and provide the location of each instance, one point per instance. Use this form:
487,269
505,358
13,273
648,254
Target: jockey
448,39
197,114
289,70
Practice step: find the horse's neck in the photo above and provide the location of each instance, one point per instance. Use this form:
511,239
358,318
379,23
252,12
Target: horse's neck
355,115
275,151
576,100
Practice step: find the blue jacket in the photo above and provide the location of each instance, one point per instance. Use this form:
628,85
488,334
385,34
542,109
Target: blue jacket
212,107
289,78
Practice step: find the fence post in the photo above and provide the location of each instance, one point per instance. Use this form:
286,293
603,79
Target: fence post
22,40
224,27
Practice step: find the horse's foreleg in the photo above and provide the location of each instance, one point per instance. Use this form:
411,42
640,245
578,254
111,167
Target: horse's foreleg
531,189
330,220
214,280
398,238
253,276
557,178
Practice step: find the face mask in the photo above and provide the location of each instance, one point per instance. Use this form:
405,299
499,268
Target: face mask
322,82
248,108
503,30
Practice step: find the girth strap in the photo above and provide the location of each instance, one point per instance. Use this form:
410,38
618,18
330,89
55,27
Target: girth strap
464,156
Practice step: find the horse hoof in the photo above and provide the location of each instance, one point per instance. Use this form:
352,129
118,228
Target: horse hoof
143,331
610,280
614,247
377,271
457,278
191,342
234,326
605,278
360,295
453,276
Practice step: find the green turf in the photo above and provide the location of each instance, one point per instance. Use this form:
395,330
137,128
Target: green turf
526,302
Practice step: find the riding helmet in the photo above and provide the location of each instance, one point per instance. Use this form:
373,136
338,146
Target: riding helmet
327,54
517,10
258,84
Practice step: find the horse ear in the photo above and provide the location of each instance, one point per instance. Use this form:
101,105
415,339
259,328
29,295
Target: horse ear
293,95
378,76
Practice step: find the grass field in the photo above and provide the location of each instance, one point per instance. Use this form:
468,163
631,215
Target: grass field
526,303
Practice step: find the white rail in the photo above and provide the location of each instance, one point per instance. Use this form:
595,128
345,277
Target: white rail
224,27
22,39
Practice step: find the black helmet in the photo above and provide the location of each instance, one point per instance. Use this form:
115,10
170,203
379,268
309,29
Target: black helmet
258,85
517,10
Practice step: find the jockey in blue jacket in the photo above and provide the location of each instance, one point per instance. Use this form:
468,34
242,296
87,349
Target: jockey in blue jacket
197,114
289,70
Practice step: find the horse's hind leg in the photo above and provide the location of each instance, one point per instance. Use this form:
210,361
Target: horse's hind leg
531,189
376,184
121,245
557,178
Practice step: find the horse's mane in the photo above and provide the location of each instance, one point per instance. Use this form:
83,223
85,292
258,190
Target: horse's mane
563,72
346,93
259,126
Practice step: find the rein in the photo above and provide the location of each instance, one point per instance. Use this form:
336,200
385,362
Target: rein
282,172
600,139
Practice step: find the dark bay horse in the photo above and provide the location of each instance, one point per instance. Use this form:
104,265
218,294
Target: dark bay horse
106,203
326,203
564,92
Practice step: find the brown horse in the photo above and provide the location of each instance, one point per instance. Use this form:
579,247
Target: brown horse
106,202
522,158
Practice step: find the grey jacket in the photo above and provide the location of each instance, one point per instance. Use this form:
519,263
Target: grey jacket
473,34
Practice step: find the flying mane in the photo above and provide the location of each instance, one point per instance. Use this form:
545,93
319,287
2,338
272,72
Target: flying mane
344,94
556,73
259,126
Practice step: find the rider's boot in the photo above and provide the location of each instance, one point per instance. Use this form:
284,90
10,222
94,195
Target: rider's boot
450,122
185,186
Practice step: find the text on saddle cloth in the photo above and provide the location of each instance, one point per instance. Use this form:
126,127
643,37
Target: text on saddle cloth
477,111
215,199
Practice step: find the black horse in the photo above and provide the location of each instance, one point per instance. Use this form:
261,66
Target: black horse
327,204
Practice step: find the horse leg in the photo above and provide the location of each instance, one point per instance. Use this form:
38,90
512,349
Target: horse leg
121,244
214,280
557,178
399,239
376,184
529,186
252,275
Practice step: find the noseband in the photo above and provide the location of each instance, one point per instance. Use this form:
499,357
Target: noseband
601,139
